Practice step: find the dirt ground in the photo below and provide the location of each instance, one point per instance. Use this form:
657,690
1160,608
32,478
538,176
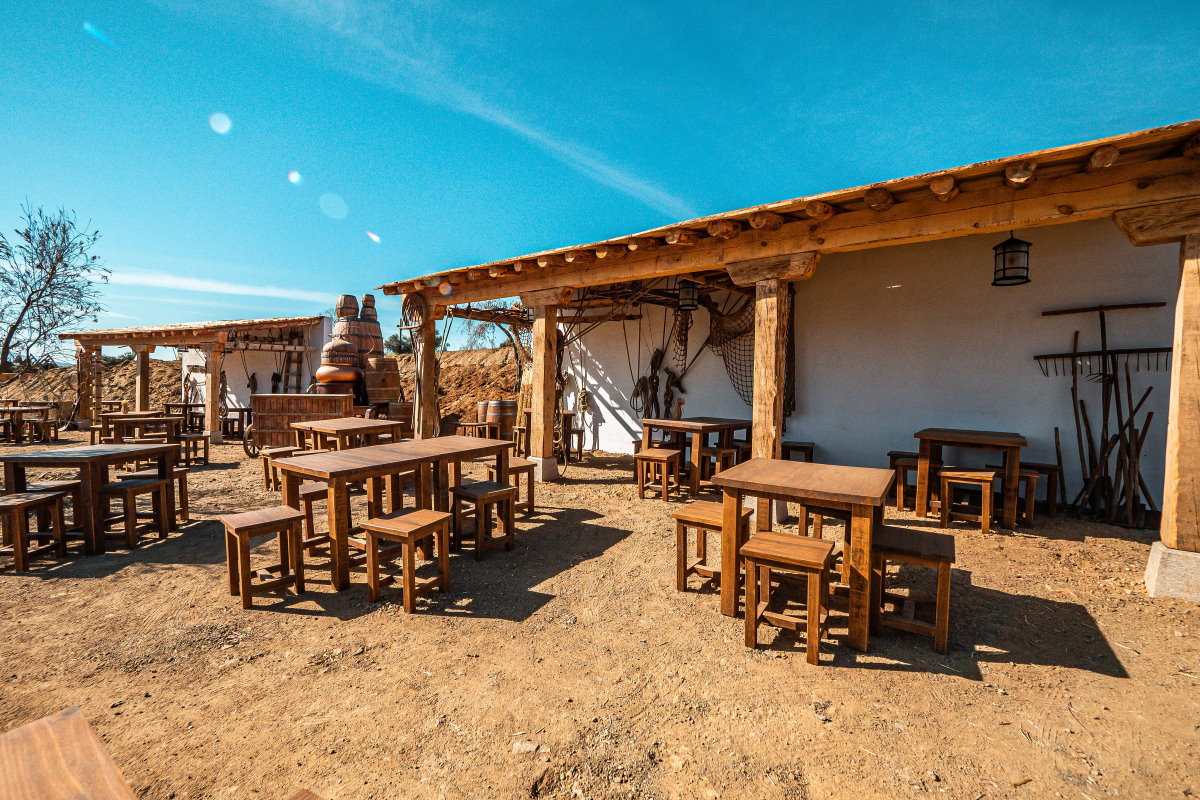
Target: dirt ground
572,668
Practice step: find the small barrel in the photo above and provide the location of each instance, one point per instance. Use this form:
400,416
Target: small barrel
504,413
481,410
347,306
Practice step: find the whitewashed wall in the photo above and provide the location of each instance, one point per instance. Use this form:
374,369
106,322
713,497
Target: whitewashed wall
239,365
893,340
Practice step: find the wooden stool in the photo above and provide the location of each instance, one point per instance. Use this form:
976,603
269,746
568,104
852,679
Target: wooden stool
240,528
408,529
128,492
902,465
743,449
704,517
14,526
788,553
1028,492
896,454
310,494
654,465
516,468
921,549
70,488
194,447
484,495
982,478
270,473
181,487
578,434
805,449
1053,476
716,459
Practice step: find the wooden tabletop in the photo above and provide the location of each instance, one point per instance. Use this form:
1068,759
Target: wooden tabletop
382,458
348,425
99,453
697,424
59,757
814,482
996,438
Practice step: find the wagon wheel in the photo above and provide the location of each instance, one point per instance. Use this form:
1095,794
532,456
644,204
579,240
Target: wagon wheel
248,444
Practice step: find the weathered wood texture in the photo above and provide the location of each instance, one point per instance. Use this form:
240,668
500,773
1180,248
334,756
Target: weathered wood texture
212,392
425,416
793,267
1181,493
545,371
85,368
274,414
1160,224
59,757
771,309
141,383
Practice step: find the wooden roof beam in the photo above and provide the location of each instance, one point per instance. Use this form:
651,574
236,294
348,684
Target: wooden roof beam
792,267
1160,224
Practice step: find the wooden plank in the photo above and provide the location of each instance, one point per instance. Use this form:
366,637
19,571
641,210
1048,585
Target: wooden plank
953,436
817,483
59,757
1160,224
545,374
792,267
1181,494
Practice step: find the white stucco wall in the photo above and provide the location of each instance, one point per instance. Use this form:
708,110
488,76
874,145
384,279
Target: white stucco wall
239,365
893,340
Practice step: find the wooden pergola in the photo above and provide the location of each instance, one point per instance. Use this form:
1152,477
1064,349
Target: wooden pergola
1147,182
214,338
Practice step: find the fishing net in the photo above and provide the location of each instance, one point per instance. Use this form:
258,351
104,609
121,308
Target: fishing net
731,336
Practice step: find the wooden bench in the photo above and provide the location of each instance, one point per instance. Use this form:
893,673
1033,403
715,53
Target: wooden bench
282,521
921,549
656,465
408,529
983,479
485,496
70,488
128,492
518,467
704,517
14,526
767,552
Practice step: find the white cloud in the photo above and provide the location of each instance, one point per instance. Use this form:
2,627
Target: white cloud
162,280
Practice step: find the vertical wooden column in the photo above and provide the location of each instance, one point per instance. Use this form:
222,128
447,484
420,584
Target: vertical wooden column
85,368
212,392
1181,488
141,382
771,309
97,364
426,424
545,379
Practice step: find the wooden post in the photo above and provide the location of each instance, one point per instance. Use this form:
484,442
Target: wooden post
84,368
1181,489
212,392
771,309
426,424
97,369
545,378
142,380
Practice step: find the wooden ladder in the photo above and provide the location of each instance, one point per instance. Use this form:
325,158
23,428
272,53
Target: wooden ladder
293,366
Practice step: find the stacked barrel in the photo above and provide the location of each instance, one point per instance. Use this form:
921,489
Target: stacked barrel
359,327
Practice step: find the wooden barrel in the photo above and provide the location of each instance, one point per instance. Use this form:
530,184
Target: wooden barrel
383,379
275,413
481,410
363,334
503,412
346,306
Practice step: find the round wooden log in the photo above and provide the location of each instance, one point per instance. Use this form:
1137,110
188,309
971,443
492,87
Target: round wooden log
1192,148
642,244
819,209
551,260
724,228
611,252
1102,158
579,257
765,221
681,236
879,199
944,187
1018,176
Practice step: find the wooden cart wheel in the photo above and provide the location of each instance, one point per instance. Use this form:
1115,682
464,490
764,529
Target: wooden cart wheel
248,444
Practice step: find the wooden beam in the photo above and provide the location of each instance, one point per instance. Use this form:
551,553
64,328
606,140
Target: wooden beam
1180,527
1191,148
766,221
879,199
724,228
85,379
1102,158
1160,224
819,209
426,424
543,397
997,209
771,310
681,236
944,188
792,267
212,391
1020,176
141,381
547,297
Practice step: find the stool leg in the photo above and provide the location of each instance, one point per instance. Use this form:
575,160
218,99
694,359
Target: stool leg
160,504
681,556
751,603
282,537
129,503
944,503
443,556
639,467
818,526
510,524
410,576
483,518
244,587
941,631
372,567
296,542
1052,494
985,510
878,572
184,512
266,465
59,529
231,560
665,484
815,605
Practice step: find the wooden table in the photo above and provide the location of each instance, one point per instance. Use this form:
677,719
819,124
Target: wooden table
16,415
344,430
1008,444
430,458
698,428
859,490
135,427
93,462
59,757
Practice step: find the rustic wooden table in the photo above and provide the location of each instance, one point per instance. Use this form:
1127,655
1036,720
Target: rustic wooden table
93,462
698,428
1009,444
346,430
859,490
430,458
16,416
59,757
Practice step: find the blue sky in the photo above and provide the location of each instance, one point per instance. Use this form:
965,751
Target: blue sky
465,132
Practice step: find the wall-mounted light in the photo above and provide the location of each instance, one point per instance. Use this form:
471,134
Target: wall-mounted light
688,292
1012,262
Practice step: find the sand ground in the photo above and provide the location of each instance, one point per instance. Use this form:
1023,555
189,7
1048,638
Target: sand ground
572,667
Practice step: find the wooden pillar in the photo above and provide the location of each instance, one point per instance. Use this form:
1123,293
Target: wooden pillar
85,368
1181,489
97,363
142,380
542,398
426,424
771,309
212,392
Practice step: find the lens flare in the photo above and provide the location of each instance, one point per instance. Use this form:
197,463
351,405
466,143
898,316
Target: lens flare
220,123
333,206
445,288
374,237
294,177
99,35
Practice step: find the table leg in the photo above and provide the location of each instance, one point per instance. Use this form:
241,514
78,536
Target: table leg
646,432
422,487
922,506
166,471
862,529
91,481
441,486
697,446
1012,475
502,466
731,576
338,501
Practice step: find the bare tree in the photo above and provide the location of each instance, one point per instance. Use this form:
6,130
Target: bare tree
49,282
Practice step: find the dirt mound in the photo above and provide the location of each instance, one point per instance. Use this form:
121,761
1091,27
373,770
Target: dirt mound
59,384
466,377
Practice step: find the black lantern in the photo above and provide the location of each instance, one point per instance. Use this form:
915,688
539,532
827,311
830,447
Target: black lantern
1012,262
687,296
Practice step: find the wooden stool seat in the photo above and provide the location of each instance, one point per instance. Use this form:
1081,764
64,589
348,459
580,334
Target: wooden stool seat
410,529
270,473
921,549
518,467
656,465
181,487
717,459
284,522
1030,473
485,495
195,447
70,488
805,449
128,492
15,535
984,479
902,465
769,551
704,517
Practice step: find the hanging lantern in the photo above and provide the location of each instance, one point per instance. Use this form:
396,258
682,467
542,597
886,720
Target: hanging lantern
688,292
1012,262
